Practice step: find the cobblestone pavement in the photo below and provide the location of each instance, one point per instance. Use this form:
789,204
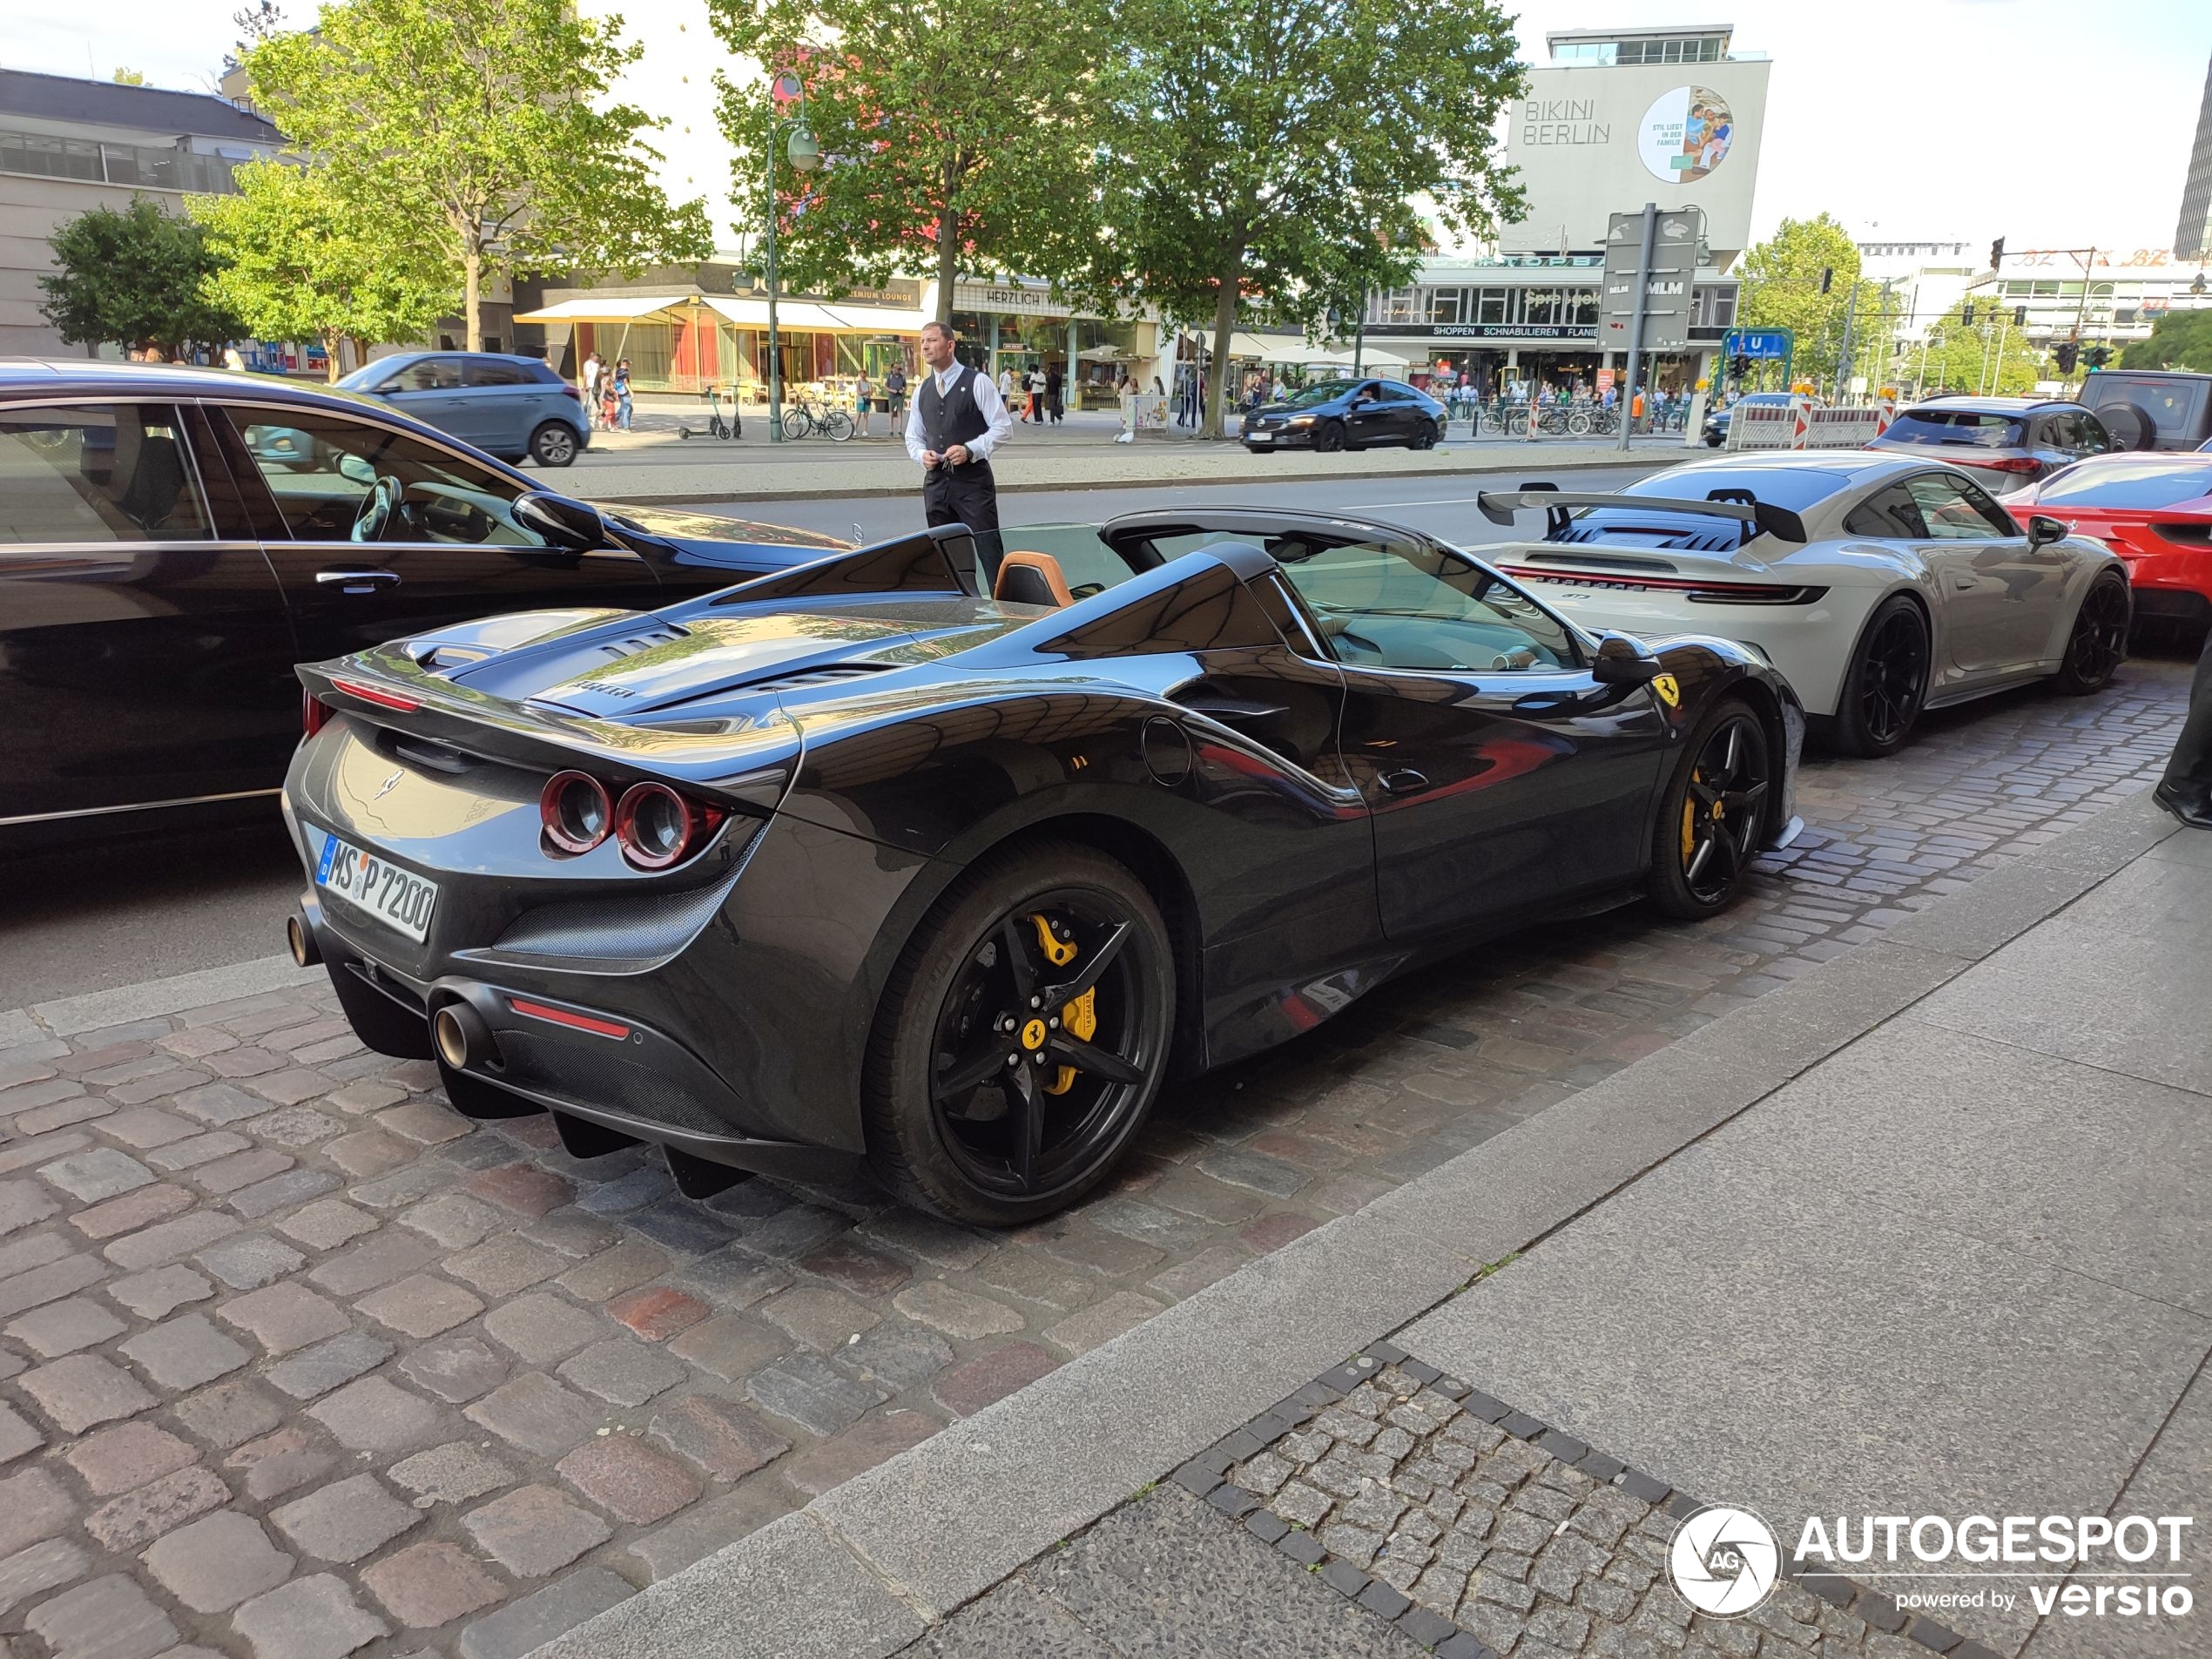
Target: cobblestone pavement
1472,1529
294,1361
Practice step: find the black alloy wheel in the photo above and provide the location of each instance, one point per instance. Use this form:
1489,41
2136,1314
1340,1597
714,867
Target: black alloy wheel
1711,826
1425,438
1328,437
2099,643
1025,1034
1887,684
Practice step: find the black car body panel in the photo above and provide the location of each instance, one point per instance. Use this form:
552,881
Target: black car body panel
873,727
1351,415
160,576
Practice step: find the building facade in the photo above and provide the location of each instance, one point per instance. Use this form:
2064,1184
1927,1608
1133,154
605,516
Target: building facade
2112,297
1923,280
2193,233
69,145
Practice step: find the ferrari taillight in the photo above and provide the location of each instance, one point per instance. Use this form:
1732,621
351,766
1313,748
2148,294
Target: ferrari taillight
658,827
314,714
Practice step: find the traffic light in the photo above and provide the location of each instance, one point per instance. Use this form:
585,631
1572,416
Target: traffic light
1827,276
1741,367
1967,313
2066,354
2097,356
1997,253
2019,316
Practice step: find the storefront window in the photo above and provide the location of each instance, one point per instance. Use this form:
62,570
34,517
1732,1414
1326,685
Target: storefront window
1491,305
1541,307
1581,308
1445,303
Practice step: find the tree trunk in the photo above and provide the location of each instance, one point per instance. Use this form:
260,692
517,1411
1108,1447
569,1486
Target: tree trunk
948,262
1224,326
472,267
330,345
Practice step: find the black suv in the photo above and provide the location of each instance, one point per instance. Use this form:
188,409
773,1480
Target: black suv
2151,408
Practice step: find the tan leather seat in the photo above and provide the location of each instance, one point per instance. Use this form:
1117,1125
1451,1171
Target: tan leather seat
1031,579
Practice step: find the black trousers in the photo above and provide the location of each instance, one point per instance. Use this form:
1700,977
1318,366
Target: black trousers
966,495
2188,773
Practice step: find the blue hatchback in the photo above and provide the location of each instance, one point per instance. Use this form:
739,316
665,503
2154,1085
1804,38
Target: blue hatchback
516,407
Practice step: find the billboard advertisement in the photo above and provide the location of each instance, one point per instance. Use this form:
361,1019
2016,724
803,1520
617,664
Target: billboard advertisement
1594,139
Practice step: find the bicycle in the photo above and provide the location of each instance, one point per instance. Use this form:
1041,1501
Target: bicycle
805,418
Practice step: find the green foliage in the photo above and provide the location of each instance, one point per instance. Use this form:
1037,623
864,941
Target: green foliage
2178,339
130,77
1781,279
956,135
134,278
1264,154
301,263
490,121
1987,357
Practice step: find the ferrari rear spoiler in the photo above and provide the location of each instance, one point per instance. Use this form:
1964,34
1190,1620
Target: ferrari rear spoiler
1759,517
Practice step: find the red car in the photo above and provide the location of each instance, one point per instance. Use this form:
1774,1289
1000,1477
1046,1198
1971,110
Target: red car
2152,507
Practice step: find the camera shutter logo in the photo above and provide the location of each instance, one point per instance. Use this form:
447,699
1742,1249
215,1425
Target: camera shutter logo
1724,1562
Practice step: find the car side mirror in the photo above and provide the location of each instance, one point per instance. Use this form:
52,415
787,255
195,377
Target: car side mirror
356,470
569,525
1621,660
2042,530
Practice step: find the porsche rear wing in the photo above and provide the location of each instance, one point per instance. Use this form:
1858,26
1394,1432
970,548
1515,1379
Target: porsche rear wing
1757,518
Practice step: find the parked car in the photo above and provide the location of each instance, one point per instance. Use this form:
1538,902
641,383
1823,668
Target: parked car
514,407
1880,584
857,865
1715,431
1347,414
2151,408
2156,512
2008,441
161,571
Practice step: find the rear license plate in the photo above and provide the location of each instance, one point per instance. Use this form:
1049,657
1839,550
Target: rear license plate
399,898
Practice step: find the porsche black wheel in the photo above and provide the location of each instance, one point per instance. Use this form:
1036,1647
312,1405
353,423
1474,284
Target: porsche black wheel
1887,683
1023,1036
1709,825
2099,643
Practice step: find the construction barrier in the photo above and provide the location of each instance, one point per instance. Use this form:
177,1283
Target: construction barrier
1801,424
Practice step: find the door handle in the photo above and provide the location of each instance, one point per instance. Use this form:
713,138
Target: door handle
1964,583
1232,710
1546,702
357,581
1402,781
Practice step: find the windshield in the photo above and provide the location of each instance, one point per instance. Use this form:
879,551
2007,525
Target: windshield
1326,392
2144,483
1979,428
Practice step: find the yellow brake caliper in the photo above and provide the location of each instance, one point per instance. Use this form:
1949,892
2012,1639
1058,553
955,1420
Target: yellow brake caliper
1688,822
1080,1017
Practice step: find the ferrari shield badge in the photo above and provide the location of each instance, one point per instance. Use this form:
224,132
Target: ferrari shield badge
1669,692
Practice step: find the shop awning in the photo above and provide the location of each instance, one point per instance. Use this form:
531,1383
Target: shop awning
808,316
614,307
1295,348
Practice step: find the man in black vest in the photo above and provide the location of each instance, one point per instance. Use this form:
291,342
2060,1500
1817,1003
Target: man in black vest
956,421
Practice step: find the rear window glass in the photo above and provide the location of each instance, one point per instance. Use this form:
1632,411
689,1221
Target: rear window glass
2172,406
1981,428
2143,482
1794,488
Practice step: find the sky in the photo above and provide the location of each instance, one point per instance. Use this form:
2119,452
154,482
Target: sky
2042,121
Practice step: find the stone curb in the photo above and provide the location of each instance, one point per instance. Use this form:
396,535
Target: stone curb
901,477
66,1016
899,1547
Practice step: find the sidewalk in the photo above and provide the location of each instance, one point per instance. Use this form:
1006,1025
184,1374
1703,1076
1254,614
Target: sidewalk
1922,1232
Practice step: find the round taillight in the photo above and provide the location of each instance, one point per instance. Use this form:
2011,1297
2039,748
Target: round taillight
575,811
654,825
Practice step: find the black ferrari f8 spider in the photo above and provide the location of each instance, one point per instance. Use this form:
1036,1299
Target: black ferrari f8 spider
887,859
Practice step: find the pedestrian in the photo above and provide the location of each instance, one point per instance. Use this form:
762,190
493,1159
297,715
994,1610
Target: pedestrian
622,395
1055,385
608,408
234,360
863,400
1006,385
2186,790
894,397
1033,383
957,418
593,368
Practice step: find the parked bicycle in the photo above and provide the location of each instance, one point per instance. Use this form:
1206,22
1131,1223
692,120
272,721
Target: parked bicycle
806,417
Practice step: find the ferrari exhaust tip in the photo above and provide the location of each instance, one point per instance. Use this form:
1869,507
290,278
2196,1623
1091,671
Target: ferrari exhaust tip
300,939
462,1037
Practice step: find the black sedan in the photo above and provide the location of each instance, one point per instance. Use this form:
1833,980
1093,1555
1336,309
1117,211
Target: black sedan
1347,414
173,541
882,861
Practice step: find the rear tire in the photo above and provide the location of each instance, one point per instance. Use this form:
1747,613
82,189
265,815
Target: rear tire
553,444
2128,427
981,1152
1886,685
2098,643
1711,819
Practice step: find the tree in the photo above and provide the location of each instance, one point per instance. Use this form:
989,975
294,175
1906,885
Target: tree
1781,279
1264,154
492,121
1988,357
2178,339
130,77
299,263
956,135
134,278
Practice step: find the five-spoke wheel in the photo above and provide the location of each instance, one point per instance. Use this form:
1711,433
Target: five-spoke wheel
2098,643
1715,812
1887,683
1024,1037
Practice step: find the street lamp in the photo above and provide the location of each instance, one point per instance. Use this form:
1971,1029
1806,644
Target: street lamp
806,156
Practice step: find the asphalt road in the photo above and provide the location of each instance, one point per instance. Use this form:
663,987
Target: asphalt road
121,913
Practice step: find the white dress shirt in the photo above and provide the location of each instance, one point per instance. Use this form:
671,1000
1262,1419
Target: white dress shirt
989,404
